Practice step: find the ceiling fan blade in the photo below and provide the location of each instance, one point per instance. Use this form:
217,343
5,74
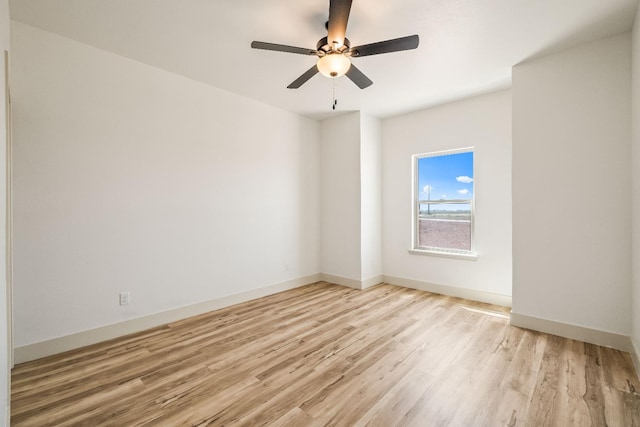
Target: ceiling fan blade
303,78
338,17
387,46
358,77
283,48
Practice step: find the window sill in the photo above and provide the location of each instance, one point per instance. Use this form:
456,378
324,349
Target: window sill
471,256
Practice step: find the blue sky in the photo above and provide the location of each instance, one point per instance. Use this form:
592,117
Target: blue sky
450,176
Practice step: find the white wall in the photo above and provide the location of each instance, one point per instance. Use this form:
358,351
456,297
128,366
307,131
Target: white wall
571,187
4,346
340,159
371,202
635,200
485,123
131,178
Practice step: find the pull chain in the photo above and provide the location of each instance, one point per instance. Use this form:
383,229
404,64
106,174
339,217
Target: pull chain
335,101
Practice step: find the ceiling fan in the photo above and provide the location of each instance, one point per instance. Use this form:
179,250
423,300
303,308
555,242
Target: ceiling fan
334,52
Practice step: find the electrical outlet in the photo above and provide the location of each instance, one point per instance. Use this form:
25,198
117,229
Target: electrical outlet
125,298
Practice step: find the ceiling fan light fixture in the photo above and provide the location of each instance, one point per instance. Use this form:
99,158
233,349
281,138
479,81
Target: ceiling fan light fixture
333,65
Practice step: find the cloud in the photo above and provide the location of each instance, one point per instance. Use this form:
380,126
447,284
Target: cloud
444,196
465,191
464,179
427,188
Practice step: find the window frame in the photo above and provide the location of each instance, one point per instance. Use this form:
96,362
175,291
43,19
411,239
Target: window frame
470,254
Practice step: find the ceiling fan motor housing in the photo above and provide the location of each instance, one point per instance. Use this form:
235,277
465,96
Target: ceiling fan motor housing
324,46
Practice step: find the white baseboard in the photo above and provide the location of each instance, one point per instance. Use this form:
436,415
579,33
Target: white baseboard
372,281
453,291
352,283
580,333
635,356
342,281
81,339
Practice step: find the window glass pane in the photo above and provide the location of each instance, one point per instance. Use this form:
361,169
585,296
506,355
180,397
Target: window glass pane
444,228
446,176
446,211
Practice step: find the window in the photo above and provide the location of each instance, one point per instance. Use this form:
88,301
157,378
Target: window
443,203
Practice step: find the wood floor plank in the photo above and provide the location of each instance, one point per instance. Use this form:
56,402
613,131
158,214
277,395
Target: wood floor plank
325,355
392,407
518,384
296,417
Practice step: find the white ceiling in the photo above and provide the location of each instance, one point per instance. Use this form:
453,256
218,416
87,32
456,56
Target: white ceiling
466,47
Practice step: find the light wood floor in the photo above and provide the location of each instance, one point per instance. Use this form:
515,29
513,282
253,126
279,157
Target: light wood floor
328,355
